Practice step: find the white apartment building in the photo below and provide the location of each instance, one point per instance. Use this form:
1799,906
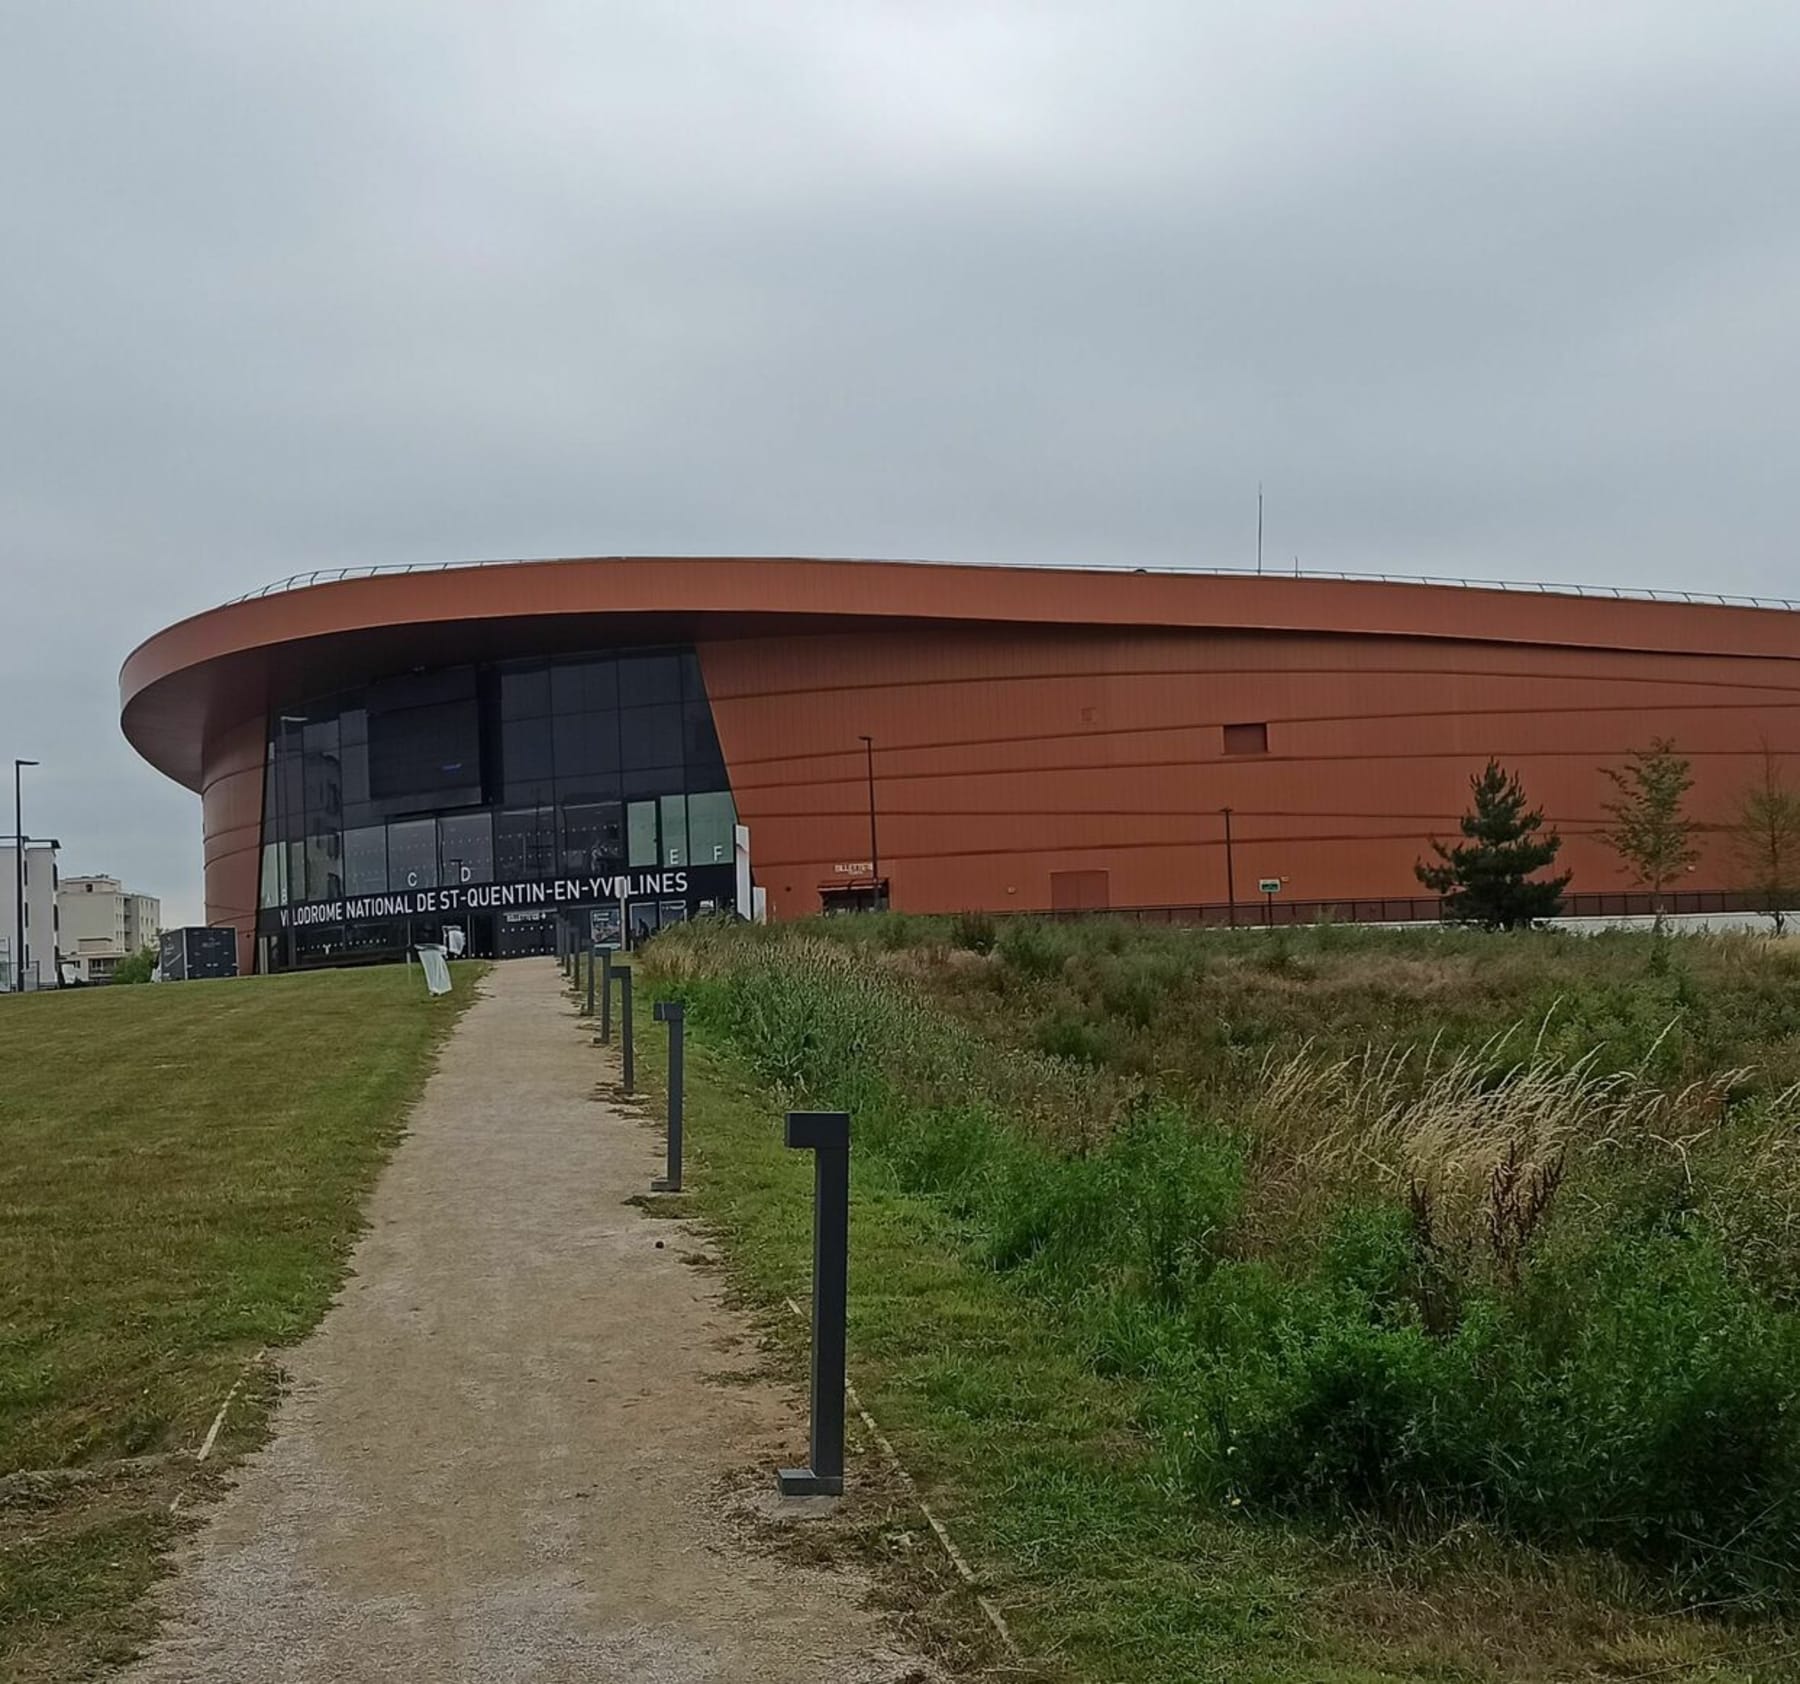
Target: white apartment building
101,923
41,934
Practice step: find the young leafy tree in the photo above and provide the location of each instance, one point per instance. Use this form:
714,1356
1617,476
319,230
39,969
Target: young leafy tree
1650,830
1487,879
1765,839
136,967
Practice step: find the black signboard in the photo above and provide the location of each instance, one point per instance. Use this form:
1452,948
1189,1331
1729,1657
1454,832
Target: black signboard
691,885
199,951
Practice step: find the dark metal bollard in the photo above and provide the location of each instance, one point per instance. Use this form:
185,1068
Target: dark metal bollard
606,976
625,1046
592,954
673,1013
826,1134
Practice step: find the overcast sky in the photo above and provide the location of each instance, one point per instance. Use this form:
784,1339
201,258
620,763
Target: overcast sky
1501,290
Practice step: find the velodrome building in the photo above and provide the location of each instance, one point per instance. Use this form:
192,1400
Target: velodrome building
381,753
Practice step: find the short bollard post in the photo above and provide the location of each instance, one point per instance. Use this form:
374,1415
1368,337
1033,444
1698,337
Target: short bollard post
673,1013
826,1134
625,1047
592,954
606,976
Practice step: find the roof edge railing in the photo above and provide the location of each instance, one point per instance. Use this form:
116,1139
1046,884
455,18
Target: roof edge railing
1621,593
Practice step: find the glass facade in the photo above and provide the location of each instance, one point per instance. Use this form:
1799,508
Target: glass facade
574,767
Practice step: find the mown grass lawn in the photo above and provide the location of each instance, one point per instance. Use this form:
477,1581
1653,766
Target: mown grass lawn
182,1172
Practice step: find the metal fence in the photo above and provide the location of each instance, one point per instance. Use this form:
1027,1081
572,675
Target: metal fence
1614,593
1409,909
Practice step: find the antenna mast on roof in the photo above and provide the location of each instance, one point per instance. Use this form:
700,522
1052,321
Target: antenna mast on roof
1259,526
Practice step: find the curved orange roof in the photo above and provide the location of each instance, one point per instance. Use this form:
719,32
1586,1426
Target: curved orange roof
229,664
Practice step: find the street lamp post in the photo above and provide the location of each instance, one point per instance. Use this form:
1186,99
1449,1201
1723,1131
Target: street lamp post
874,846
19,870
1230,873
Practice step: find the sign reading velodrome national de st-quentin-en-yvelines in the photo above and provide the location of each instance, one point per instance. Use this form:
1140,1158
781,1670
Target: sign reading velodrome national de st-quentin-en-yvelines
714,882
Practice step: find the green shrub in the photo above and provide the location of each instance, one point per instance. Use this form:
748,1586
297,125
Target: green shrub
975,931
1066,1035
1032,947
1279,955
1633,1398
137,967
1137,987
1617,1367
1140,1219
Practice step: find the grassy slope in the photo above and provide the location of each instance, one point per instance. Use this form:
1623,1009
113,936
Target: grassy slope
182,1170
1042,1462
1029,1457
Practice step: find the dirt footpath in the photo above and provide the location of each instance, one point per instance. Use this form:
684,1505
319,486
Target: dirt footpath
505,1449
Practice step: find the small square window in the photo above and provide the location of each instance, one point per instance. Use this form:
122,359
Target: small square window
1246,739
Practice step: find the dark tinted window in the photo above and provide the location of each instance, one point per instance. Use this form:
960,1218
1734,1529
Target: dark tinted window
650,737
524,692
525,752
324,788
564,743
593,836
290,797
425,751
353,769
644,679
586,743
584,686
365,860
653,780
413,854
324,866
524,843
700,745
466,848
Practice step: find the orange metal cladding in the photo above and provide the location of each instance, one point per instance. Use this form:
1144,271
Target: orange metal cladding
1035,724
1005,757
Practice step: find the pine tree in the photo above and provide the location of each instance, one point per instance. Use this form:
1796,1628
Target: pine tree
1650,830
1487,879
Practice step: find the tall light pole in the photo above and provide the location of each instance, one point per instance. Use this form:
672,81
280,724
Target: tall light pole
1230,873
19,868
874,846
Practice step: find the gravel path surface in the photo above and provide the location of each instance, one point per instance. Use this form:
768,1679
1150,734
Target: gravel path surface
506,1449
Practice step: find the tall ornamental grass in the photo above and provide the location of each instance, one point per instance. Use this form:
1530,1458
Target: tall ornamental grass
1508,1282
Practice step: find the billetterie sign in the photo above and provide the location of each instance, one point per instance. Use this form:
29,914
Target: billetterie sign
489,897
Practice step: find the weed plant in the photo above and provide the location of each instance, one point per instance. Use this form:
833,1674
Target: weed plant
1387,1230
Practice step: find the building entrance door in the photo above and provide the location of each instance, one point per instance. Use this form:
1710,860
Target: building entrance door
1080,891
522,935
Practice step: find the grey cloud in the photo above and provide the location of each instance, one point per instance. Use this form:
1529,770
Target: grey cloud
1485,290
